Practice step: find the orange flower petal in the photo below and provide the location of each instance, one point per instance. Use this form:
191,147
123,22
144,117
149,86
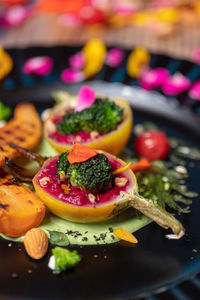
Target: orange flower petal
80,153
141,165
125,235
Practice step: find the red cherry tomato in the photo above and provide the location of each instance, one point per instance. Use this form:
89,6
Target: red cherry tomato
152,144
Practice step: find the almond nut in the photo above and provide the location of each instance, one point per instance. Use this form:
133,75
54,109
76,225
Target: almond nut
36,243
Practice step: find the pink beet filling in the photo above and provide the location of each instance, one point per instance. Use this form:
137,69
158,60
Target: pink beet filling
81,136
77,196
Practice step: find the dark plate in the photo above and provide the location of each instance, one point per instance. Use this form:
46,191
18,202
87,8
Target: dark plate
167,269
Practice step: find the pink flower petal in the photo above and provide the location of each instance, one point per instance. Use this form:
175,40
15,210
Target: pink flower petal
77,61
176,84
15,15
194,92
70,75
39,65
114,57
86,98
196,56
151,78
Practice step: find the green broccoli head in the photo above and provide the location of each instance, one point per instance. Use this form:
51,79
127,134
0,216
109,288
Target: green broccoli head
103,116
94,175
62,164
69,124
64,259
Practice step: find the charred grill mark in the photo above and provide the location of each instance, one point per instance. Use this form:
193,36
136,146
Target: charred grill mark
20,139
30,125
1,149
7,132
12,181
15,179
25,132
28,153
4,206
19,130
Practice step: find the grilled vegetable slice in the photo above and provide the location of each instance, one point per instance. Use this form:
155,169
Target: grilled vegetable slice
23,130
20,208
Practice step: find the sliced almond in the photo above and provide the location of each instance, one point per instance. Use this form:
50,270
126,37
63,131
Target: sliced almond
45,181
121,181
94,134
78,138
91,198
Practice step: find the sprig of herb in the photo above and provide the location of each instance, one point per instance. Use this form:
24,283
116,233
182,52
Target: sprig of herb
164,186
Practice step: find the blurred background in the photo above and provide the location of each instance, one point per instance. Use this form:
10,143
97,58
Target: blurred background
151,43
162,26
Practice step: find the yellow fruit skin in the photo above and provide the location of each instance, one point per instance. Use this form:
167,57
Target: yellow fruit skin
113,142
85,214
74,213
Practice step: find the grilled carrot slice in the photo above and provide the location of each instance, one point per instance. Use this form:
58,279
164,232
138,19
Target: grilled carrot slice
20,208
24,130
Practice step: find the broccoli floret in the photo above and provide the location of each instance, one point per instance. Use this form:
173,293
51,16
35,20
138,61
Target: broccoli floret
103,116
94,175
69,124
62,164
5,112
64,259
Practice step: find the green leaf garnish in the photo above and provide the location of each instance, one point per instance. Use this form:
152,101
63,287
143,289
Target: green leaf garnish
58,238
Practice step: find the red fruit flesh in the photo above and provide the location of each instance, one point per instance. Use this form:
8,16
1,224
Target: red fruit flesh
77,196
152,144
85,137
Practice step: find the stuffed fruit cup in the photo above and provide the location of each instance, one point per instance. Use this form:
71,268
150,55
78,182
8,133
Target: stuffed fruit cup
67,200
112,141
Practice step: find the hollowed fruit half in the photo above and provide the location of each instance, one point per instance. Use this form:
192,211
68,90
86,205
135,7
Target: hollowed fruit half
76,205
112,142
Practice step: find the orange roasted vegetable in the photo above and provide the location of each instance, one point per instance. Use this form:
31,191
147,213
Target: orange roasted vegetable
24,130
20,208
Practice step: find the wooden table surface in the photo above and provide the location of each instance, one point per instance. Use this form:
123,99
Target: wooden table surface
47,30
